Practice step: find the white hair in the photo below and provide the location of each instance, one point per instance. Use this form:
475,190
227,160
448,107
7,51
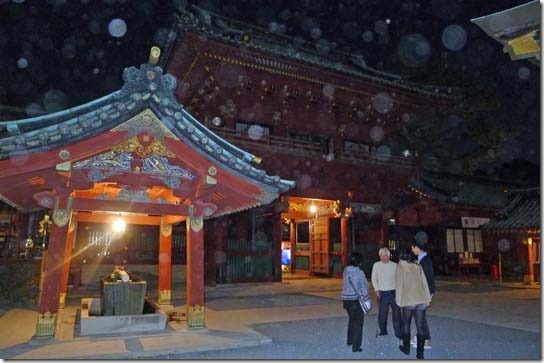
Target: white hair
384,250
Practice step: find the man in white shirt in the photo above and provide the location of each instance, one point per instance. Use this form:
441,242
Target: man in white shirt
383,280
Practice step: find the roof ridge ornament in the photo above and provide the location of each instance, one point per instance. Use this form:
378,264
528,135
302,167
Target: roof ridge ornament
149,79
154,55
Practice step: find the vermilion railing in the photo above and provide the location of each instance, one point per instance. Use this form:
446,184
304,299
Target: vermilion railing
287,145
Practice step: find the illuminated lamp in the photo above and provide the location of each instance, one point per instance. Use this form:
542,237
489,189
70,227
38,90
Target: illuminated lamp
119,225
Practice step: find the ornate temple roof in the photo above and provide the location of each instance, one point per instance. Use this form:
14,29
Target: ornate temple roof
522,213
517,29
251,37
146,91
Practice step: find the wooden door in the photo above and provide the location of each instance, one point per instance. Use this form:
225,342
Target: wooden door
319,245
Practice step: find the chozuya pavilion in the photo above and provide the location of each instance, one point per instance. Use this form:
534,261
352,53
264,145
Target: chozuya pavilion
136,154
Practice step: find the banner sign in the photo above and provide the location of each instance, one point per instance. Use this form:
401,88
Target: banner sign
473,222
365,208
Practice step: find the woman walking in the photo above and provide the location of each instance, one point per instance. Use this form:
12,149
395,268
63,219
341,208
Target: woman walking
413,296
354,284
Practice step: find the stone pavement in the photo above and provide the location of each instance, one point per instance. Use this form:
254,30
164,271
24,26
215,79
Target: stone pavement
232,310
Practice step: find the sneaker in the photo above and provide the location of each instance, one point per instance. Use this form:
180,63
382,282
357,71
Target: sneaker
427,345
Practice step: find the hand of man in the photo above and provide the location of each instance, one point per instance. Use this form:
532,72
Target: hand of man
378,293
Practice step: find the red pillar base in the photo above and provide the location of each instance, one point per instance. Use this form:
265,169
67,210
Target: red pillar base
195,316
195,272
165,264
46,325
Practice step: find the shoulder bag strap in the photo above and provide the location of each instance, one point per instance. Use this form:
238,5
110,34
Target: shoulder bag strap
354,288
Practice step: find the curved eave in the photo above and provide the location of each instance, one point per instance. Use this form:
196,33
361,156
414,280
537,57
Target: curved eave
526,216
423,191
428,192
314,60
16,127
503,24
91,119
501,227
63,128
498,229
217,150
236,210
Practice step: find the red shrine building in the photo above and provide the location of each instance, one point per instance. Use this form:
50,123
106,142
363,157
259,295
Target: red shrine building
319,120
135,154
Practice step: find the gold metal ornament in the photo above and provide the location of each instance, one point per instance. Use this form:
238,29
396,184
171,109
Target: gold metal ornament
46,324
165,297
61,216
45,225
166,229
196,223
62,300
195,316
154,54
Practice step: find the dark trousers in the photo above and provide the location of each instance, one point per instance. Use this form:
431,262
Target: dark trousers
355,324
419,313
387,298
426,331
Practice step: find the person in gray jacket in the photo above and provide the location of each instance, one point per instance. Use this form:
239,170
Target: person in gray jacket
354,284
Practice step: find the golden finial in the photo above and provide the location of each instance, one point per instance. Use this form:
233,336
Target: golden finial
154,54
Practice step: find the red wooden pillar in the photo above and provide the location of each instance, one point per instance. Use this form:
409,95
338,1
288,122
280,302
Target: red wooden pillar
53,266
165,264
384,237
276,240
344,240
531,277
67,260
293,240
195,271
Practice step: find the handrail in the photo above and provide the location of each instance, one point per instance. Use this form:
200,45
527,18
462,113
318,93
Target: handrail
280,144
368,157
268,141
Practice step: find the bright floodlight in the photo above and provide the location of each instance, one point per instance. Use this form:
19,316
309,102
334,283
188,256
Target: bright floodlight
119,225
313,208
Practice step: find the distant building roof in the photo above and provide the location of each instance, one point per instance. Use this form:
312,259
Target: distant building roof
252,37
522,213
461,190
518,29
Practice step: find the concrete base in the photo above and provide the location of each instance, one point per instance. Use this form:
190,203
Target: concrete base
93,323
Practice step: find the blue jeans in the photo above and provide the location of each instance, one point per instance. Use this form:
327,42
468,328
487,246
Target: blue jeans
419,312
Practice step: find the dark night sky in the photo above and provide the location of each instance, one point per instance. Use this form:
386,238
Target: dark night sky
61,53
